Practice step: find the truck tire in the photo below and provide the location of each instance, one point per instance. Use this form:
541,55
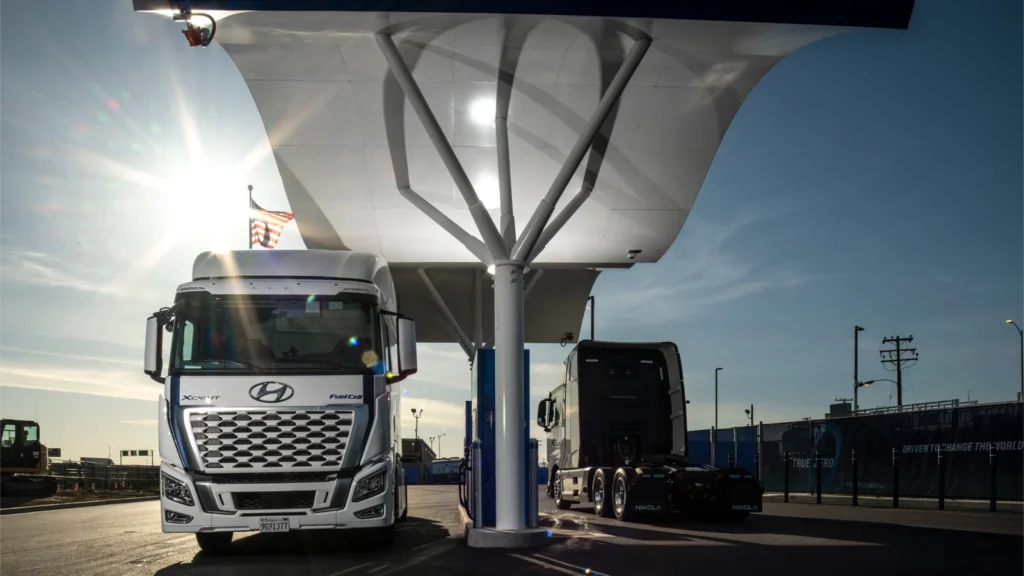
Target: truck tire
214,543
600,492
620,496
559,502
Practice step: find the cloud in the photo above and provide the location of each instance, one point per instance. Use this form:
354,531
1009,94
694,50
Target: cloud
118,384
706,275
39,269
124,362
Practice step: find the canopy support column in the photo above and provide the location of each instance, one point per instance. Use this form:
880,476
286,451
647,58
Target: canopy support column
525,246
467,346
509,265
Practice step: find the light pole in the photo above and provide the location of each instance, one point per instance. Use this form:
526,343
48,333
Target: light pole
1021,334
870,382
751,414
716,397
439,445
108,449
856,332
417,415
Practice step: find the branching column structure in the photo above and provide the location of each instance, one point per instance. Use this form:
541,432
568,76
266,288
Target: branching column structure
509,258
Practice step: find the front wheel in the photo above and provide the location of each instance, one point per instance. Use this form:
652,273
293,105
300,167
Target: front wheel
214,543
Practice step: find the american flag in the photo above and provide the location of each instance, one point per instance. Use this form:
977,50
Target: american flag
266,225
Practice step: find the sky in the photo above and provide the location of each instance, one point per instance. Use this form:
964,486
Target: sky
873,178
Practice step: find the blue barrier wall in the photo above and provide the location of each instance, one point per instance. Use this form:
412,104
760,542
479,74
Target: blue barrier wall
699,446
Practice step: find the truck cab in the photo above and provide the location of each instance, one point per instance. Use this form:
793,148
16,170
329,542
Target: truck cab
280,408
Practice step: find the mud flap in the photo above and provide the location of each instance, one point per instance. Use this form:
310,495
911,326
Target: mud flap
743,493
649,494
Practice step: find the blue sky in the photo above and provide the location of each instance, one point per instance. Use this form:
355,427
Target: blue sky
873,178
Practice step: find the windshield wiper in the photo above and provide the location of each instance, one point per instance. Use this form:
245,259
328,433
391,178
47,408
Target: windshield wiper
332,363
227,361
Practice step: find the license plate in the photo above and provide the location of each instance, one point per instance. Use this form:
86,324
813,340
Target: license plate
274,525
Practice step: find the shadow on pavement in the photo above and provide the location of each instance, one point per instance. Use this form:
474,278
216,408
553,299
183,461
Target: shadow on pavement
786,545
298,552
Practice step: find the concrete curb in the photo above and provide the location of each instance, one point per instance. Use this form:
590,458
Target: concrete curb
88,503
907,503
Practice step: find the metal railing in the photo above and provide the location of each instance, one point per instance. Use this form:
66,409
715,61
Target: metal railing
82,476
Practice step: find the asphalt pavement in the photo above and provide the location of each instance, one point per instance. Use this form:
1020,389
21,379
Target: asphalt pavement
122,539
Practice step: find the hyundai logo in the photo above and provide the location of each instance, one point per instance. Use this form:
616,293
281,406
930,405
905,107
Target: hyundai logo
271,392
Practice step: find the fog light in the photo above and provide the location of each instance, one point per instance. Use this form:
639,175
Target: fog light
375,512
176,490
176,517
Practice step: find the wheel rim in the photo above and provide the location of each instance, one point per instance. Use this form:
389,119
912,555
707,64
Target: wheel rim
599,493
558,490
619,494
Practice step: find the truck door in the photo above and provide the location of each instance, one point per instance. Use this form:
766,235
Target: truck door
556,452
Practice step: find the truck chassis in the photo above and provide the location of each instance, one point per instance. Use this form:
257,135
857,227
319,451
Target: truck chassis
653,488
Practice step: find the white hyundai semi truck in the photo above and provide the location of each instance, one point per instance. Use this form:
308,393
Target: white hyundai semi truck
280,409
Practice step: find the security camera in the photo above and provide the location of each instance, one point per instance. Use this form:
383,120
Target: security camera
631,254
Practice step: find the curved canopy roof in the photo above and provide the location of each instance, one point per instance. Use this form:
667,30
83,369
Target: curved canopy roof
345,137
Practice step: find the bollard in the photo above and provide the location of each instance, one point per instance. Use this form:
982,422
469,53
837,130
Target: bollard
785,476
817,474
895,478
942,481
856,482
531,520
991,478
478,485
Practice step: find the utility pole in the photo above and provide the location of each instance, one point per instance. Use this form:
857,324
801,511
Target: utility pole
898,358
1020,334
751,414
716,397
856,332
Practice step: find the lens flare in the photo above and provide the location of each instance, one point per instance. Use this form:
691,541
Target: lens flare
353,341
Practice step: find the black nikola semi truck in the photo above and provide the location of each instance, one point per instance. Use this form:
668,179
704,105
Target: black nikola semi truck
616,438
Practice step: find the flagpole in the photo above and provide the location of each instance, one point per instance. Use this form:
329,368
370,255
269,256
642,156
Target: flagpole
249,230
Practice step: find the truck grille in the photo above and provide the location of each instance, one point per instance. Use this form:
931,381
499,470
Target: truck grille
273,500
237,440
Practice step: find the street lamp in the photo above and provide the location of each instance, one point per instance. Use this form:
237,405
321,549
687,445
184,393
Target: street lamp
439,445
1021,334
856,331
858,385
750,413
108,449
417,415
716,397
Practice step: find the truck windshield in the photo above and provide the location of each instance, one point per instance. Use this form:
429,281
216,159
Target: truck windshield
275,335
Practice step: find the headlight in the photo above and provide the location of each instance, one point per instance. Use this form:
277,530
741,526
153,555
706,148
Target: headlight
373,485
176,491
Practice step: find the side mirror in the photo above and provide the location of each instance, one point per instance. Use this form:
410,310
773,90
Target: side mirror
546,414
407,361
154,362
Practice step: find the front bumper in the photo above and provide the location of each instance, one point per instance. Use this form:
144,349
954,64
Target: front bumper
213,508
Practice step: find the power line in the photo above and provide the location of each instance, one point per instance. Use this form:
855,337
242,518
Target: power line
896,359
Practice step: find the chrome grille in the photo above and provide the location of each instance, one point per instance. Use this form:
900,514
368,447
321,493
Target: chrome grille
242,440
